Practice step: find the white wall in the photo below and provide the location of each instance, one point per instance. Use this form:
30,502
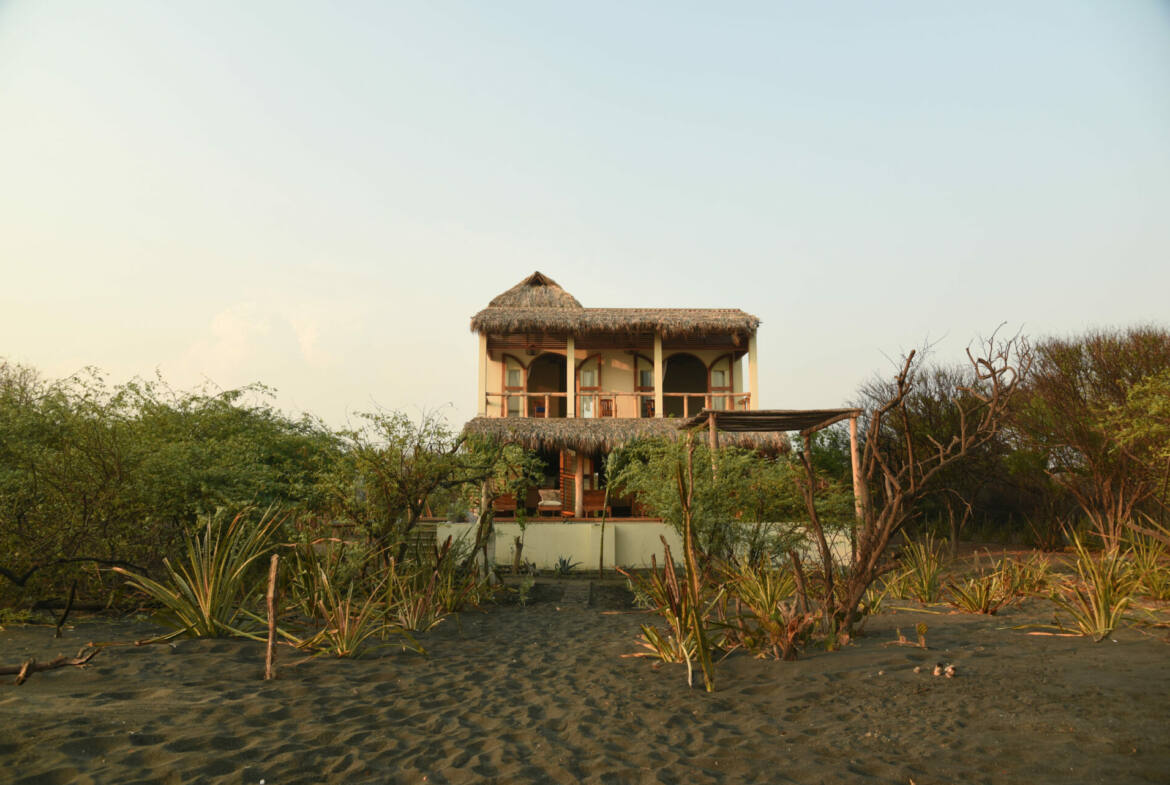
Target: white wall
627,543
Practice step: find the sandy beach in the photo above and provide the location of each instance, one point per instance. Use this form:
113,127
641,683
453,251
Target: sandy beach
541,694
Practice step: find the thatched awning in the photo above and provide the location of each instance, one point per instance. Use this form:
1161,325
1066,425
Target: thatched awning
599,435
770,420
668,322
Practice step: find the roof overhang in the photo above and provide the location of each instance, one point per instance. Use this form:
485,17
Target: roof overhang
769,420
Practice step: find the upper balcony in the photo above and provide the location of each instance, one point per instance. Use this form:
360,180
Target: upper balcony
543,355
612,404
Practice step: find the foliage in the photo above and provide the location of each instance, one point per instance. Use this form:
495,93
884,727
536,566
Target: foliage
117,476
1094,408
740,501
524,589
1099,595
209,587
347,622
932,410
767,619
678,641
565,566
1147,561
390,468
898,474
986,592
922,577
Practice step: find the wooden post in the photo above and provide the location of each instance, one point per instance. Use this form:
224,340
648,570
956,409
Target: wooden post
860,493
481,405
753,374
570,377
713,439
658,376
579,491
854,460
270,656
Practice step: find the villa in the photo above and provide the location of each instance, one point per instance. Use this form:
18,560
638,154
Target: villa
573,383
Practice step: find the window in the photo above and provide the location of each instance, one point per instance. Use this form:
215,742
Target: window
644,385
589,385
514,374
720,384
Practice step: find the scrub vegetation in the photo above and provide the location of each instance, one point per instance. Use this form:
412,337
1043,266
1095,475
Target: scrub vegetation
140,493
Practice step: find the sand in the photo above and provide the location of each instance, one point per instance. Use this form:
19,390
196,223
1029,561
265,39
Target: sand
540,694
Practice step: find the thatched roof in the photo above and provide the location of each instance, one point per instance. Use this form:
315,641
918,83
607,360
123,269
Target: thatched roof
600,435
770,420
536,291
668,322
539,305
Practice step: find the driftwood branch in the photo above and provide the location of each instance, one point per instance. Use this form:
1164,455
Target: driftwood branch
31,666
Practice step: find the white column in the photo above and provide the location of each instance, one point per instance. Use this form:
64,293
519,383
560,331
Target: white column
658,375
753,373
571,377
481,406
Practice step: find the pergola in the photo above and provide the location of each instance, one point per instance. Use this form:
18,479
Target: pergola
806,421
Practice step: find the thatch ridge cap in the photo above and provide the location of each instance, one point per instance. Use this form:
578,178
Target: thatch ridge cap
537,291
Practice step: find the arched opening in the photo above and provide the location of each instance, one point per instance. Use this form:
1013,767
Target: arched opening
683,373
546,374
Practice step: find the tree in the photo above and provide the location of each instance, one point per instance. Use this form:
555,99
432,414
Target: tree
929,414
93,475
1141,427
898,473
1079,386
733,499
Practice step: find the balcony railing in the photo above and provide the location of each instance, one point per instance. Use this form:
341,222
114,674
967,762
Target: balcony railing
613,404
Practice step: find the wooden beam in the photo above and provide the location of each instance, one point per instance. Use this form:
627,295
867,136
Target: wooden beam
753,373
571,377
658,375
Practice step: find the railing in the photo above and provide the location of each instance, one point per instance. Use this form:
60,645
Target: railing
591,405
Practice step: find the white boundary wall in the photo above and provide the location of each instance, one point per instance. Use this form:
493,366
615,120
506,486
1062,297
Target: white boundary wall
627,543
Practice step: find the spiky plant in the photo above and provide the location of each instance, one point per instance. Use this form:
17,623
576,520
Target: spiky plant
1147,560
1099,595
209,587
922,577
766,620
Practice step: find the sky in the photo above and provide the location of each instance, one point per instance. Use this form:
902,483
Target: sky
318,196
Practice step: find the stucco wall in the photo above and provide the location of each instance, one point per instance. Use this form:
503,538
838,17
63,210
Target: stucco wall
627,543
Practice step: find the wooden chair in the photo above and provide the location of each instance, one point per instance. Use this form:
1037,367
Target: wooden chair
505,505
550,502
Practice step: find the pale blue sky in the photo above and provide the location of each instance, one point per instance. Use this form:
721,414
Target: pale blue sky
319,195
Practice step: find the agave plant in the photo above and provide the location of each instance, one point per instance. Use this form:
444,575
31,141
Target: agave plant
988,591
348,623
1147,559
208,589
413,601
767,620
684,638
1099,595
922,578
